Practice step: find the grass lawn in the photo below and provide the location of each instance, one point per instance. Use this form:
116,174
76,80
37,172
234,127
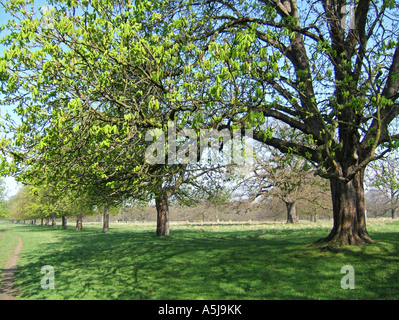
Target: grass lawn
269,261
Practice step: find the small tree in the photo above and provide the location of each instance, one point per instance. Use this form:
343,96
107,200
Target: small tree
285,177
383,177
4,203
19,204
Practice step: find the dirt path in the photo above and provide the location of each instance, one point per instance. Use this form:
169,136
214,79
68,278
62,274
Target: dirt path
7,290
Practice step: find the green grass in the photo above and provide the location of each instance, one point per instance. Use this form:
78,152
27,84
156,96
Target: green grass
271,261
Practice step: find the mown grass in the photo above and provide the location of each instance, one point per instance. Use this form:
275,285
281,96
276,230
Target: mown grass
270,261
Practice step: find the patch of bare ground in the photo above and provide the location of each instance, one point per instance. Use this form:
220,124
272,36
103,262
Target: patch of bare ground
7,289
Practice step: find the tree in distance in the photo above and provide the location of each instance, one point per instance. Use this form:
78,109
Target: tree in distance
4,202
285,177
384,183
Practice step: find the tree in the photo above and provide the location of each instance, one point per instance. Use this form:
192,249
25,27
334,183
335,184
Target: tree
31,203
70,204
3,200
100,79
384,178
19,204
89,137
301,64
284,177
82,208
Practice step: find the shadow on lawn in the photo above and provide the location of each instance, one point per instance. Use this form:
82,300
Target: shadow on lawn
210,264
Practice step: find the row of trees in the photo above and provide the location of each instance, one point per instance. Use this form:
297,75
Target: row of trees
284,182
90,85
31,203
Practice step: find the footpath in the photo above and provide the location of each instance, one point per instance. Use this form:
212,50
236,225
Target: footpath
7,289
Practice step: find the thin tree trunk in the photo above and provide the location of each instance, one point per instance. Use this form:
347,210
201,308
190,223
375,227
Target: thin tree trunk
292,216
161,202
79,222
64,222
106,219
348,212
313,217
393,209
47,222
53,222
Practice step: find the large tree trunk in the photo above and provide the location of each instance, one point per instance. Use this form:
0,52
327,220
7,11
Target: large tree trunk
64,222
106,219
161,202
349,212
53,222
79,222
292,216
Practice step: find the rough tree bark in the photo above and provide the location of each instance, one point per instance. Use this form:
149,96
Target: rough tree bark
292,216
161,202
349,213
106,219
79,222
64,222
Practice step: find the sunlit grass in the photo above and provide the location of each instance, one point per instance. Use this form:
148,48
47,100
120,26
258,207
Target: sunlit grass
268,261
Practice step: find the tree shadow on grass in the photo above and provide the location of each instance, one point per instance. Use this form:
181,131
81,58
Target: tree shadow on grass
195,264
